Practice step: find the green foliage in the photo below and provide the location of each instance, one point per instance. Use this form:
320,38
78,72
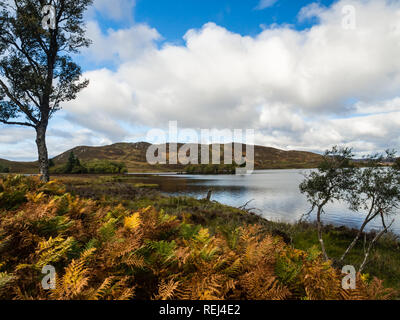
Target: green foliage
75,166
373,191
53,226
111,252
396,164
288,269
51,163
211,169
105,166
4,169
53,250
162,252
5,281
36,67
334,178
188,231
13,190
107,230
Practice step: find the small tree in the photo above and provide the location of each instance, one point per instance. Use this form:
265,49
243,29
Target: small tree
4,169
74,165
373,190
335,176
377,193
396,164
37,73
71,163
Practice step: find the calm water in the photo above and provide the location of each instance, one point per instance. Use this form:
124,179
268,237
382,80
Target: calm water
275,195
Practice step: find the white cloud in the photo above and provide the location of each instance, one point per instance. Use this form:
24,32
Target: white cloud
113,9
311,11
120,45
305,89
287,84
266,4
12,135
18,143
386,106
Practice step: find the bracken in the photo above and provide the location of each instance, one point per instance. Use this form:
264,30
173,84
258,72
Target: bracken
111,253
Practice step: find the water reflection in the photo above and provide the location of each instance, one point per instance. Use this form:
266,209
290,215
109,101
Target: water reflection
274,193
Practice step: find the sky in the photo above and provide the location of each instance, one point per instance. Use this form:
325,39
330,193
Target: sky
304,75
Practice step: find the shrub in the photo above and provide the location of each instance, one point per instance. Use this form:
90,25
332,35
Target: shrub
102,252
14,189
105,166
74,166
4,169
211,169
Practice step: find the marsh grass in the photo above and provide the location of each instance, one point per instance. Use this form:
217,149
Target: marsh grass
385,258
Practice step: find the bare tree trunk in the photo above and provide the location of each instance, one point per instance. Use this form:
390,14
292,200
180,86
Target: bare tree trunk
367,220
42,152
351,246
371,245
321,240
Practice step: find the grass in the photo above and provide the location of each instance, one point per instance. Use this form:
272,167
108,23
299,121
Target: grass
384,260
133,242
146,185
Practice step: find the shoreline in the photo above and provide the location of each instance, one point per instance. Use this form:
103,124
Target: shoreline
217,219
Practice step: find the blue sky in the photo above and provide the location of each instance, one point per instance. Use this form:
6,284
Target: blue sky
174,18
305,75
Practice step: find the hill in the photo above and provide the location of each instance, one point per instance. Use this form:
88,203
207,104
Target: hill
134,155
20,167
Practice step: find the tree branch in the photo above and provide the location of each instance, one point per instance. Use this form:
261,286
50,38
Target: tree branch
23,108
377,237
26,124
33,63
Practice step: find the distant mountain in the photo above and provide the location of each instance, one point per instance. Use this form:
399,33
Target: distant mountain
134,155
20,167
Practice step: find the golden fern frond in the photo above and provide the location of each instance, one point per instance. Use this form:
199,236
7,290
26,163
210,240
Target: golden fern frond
6,280
375,290
73,282
104,289
126,294
128,246
235,268
183,255
208,287
122,290
350,295
53,250
22,296
167,290
87,254
44,245
203,235
133,222
320,281
134,261
277,292
36,197
211,289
